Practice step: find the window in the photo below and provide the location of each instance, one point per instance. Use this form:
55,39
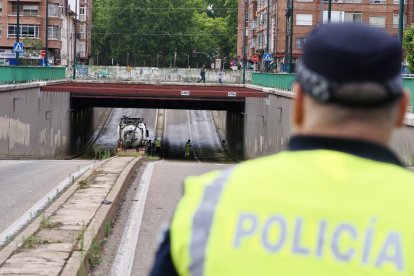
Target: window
82,14
30,10
82,31
81,48
304,19
53,10
354,17
304,0
377,21
396,20
299,42
397,2
53,32
26,30
336,16
1,8
353,1
377,1
0,30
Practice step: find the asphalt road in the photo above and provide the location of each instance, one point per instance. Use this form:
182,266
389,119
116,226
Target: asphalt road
109,136
23,183
165,190
163,179
194,125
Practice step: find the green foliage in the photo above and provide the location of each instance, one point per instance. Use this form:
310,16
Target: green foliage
139,31
408,44
32,48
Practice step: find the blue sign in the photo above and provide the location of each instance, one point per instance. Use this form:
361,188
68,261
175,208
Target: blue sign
267,57
18,47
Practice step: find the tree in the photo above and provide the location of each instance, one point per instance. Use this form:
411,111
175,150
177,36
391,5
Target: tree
32,49
408,44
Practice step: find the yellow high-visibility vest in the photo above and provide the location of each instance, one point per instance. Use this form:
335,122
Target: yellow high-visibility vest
314,212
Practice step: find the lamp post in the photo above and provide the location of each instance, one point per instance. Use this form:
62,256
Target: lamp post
74,39
289,36
244,42
267,32
46,62
401,22
18,30
329,10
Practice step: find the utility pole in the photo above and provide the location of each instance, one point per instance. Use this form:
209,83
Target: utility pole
127,59
18,30
401,22
47,33
267,32
289,34
75,18
321,7
244,41
329,10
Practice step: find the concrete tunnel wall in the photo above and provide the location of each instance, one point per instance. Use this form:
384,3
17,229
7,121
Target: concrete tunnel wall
35,124
267,127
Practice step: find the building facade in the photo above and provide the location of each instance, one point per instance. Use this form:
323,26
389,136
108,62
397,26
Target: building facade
272,35
62,17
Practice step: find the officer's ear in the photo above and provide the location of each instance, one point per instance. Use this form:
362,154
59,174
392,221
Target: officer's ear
402,108
298,105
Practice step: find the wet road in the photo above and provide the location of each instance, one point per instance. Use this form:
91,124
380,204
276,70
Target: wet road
109,136
23,183
196,125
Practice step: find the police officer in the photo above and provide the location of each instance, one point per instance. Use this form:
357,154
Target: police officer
337,202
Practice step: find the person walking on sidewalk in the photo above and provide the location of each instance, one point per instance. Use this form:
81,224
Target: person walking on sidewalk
202,74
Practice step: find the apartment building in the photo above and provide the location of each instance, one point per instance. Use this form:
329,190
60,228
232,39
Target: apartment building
62,17
306,15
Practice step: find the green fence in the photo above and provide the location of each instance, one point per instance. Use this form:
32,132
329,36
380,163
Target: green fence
18,74
284,81
281,81
409,84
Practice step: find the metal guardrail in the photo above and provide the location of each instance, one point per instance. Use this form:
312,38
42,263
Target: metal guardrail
18,74
284,81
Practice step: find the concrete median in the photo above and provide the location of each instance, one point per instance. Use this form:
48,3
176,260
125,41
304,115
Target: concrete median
66,238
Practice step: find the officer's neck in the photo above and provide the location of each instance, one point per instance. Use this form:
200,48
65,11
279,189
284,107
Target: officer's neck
346,130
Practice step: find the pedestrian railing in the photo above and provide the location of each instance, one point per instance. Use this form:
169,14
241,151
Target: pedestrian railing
284,82
19,74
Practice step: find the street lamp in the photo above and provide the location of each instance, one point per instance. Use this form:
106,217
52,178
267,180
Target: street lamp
401,22
18,30
267,31
75,34
47,34
245,41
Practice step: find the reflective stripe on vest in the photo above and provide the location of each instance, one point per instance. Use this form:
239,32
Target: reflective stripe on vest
202,223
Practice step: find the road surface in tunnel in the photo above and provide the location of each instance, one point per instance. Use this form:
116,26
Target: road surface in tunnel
194,125
109,136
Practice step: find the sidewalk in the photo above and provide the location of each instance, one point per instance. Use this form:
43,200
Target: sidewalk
66,238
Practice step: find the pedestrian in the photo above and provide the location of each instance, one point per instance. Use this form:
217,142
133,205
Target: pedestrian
149,147
337,202
202,74
187,149
220,75
157,145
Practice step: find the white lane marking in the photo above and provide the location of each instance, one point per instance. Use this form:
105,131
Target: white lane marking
42,203
124,259
191,135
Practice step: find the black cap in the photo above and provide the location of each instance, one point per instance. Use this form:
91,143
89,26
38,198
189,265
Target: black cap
338,54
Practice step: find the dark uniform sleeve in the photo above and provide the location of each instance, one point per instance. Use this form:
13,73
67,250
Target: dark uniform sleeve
163,264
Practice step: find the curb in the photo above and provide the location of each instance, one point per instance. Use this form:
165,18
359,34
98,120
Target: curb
86,247
78,263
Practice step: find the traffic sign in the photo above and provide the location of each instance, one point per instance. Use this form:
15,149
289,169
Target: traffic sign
255,58
42,53
267,57
18,47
